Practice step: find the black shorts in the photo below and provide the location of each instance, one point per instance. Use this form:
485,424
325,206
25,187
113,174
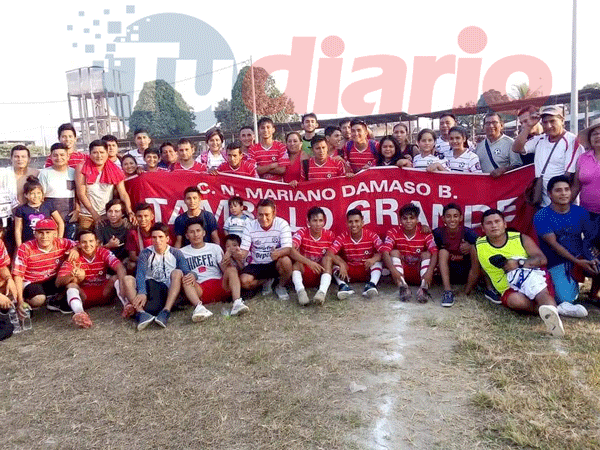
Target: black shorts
47,287
459,271
262,271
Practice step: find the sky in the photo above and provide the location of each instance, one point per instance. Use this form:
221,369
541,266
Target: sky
39,49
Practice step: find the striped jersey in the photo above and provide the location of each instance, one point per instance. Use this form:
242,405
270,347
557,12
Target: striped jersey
236,224
422,162
468,162
357,252
95,269
75,159
361,158
247,168
410,248
196,167
277,152
36,265
330,168
312,248
261,242
4,258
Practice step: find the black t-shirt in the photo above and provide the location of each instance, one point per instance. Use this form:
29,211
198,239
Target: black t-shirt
105,231
210,225
31,216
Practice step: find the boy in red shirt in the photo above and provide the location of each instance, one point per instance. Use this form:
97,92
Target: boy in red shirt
68,137
362,259
321,166
270,155
87,283
360,152
410,254
139,237
309,245
236,164
185,160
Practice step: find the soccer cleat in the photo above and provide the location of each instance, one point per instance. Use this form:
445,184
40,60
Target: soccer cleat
58,303
162,318
303,297
201,313
143,320
282,293
82,320
128,311
267,287
238,308
549,315
319,298
570,310
344,291
447,298
423,295
370,290
493,296
404,294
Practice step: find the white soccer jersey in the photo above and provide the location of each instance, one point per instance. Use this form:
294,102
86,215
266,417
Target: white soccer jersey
261,242
468,162
204,261
420,162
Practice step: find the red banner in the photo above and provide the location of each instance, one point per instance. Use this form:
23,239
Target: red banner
379,192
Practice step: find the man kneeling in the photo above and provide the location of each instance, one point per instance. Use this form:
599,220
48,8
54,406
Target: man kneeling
160,276
86,282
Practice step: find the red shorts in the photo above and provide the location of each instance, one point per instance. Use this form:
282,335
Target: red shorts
358,273
213,292
310,278
509,291
94,295
412,273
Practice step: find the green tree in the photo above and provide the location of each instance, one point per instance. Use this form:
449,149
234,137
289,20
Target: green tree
162,111
224,115
593,105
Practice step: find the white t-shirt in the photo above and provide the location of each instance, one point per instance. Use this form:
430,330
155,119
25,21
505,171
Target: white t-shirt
204,261
564,159
420,162
59,187
261,242
8,192
139,158
442,147
467,162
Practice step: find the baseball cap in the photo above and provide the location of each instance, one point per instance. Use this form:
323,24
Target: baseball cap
46,224
552,110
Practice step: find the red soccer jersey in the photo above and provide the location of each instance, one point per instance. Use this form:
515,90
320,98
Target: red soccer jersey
312,248
276,153
197,167
410,248
330,168
75,159
357,252
4,258
359,159
132,241
36,265
247,168
95,270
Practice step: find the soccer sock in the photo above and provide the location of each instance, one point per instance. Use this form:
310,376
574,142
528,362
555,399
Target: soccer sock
120,295
376,272
338,280
325,282
397,262
424,268
74,300
297,280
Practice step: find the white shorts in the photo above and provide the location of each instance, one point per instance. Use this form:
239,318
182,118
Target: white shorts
529,282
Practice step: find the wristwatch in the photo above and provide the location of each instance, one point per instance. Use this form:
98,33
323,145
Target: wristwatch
521,263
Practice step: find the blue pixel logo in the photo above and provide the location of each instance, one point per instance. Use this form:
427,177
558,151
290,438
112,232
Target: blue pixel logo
182,50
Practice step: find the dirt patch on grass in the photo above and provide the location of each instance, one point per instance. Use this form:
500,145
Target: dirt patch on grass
356,374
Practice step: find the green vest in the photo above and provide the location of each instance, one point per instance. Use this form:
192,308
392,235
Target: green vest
513,248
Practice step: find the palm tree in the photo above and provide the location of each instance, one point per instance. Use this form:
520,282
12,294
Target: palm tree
522,91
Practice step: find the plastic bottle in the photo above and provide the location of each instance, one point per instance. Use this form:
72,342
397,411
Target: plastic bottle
26,322
14,319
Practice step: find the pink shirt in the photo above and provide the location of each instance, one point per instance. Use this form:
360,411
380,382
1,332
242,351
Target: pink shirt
589,180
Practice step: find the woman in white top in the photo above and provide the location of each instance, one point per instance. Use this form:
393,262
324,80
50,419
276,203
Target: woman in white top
460,158
214,156
426,157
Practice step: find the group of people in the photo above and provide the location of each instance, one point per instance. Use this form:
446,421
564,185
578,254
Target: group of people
72,239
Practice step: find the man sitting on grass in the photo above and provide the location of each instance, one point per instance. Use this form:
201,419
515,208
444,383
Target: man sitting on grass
309,246
457,257
500,252
86,281
410,254
361,260
160,276
215,280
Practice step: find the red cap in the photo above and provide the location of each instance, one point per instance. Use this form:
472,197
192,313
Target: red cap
46,224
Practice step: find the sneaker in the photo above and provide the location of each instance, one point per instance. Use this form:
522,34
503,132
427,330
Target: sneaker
493,296
267,287
282,293
58,303
319,298
344,291
423,295
549,315
143,320
128,311
370,290
82,320
238,308
448,298
570,310
201,313
404,294
162,318
303,297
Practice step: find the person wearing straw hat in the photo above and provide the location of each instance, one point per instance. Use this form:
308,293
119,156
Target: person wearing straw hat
556,150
